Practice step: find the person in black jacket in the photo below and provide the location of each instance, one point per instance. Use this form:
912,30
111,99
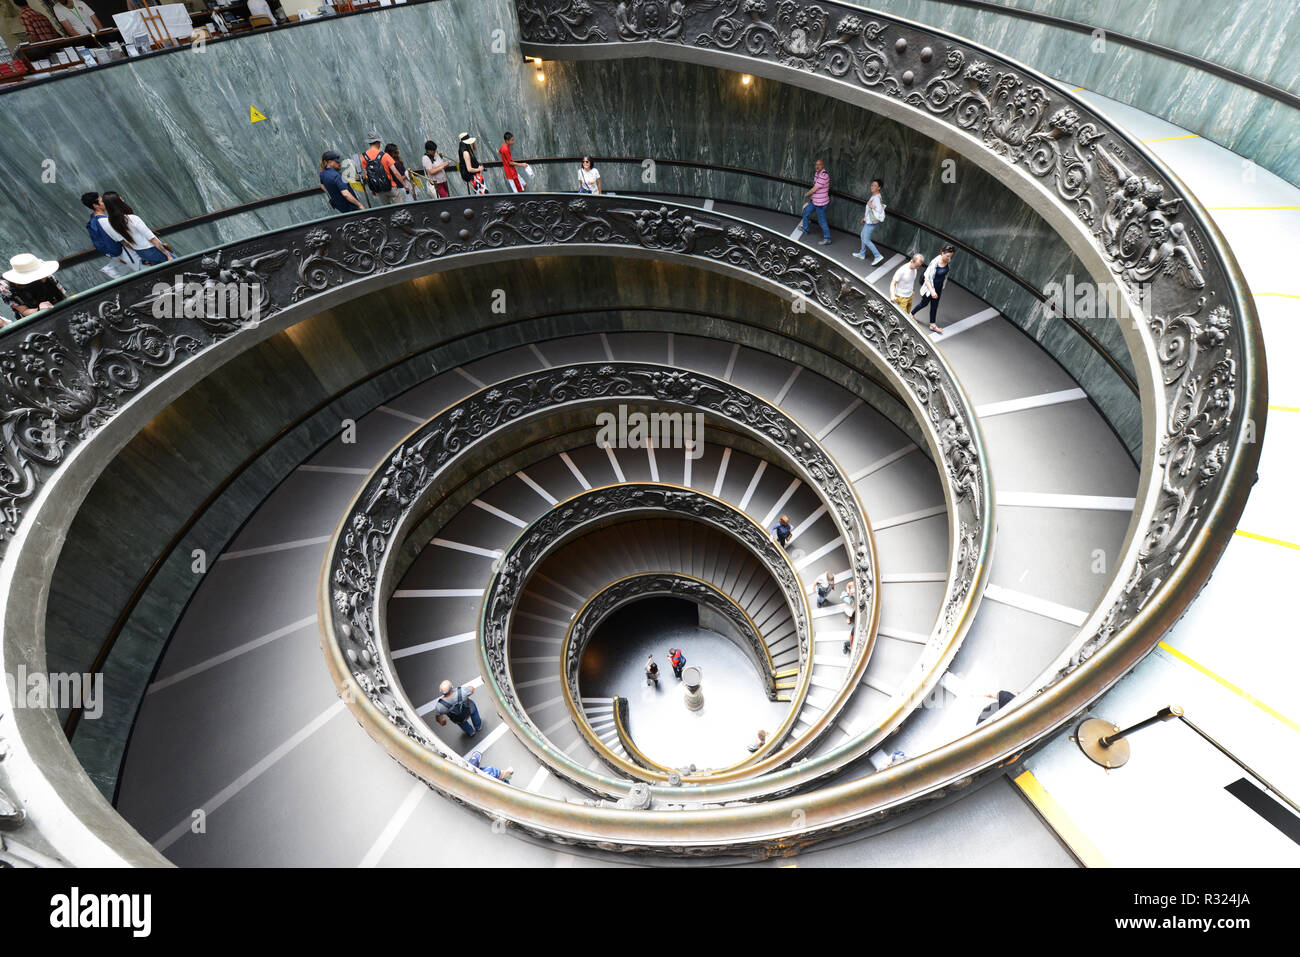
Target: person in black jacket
471,171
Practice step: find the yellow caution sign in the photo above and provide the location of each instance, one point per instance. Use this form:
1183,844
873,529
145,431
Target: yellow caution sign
254,115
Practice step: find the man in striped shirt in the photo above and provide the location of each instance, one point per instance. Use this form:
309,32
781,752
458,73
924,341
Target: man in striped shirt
819,197
36,24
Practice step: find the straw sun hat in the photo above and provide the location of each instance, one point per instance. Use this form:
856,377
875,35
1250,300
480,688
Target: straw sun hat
26,269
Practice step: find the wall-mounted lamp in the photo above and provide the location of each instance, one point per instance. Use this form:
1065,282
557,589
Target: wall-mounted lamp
541,77
746,79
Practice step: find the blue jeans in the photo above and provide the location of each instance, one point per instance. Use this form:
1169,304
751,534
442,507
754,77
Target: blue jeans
151,256
821,219
471,724
867,230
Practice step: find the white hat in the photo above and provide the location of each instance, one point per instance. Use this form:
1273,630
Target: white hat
28,269
468,140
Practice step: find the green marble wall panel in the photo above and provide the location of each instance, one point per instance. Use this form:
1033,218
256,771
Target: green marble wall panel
1260,38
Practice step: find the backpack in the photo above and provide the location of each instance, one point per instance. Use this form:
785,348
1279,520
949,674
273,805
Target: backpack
377,180
873,217
458,709
101,240
679,659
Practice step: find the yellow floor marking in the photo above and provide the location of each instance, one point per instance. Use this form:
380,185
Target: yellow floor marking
1166,139
1284,408
1059,821
1077,89
1282,295
1265,538
1271,712
1251,207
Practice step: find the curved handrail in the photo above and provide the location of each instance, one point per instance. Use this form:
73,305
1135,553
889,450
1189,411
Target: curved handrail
667,582
625,741
362,567
620,728
573,517
602,604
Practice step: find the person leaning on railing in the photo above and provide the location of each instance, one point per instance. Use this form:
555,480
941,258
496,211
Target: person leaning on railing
435,170
470,169
340,194
382,179
29,286
588,177
400,168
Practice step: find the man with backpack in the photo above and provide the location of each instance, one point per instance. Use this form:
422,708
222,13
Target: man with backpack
122,260
383,180
678,661
456,704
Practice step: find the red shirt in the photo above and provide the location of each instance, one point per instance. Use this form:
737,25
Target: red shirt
37,25
508,162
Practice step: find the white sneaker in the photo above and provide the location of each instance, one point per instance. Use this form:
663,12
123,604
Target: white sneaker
877,261
859,256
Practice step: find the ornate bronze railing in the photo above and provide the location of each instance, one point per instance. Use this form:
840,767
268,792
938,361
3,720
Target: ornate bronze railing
624,733
361,566
573,518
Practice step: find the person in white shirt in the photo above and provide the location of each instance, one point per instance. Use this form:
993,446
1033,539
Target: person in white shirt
872,216
77,18
903,285
130,230
435,170
825,584
936,274
588,177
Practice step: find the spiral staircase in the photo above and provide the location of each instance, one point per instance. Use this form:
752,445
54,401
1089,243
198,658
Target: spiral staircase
470,525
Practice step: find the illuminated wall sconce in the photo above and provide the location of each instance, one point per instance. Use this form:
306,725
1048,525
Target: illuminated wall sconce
746,80
541,77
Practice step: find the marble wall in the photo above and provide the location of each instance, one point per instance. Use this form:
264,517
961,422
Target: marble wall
1260,38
